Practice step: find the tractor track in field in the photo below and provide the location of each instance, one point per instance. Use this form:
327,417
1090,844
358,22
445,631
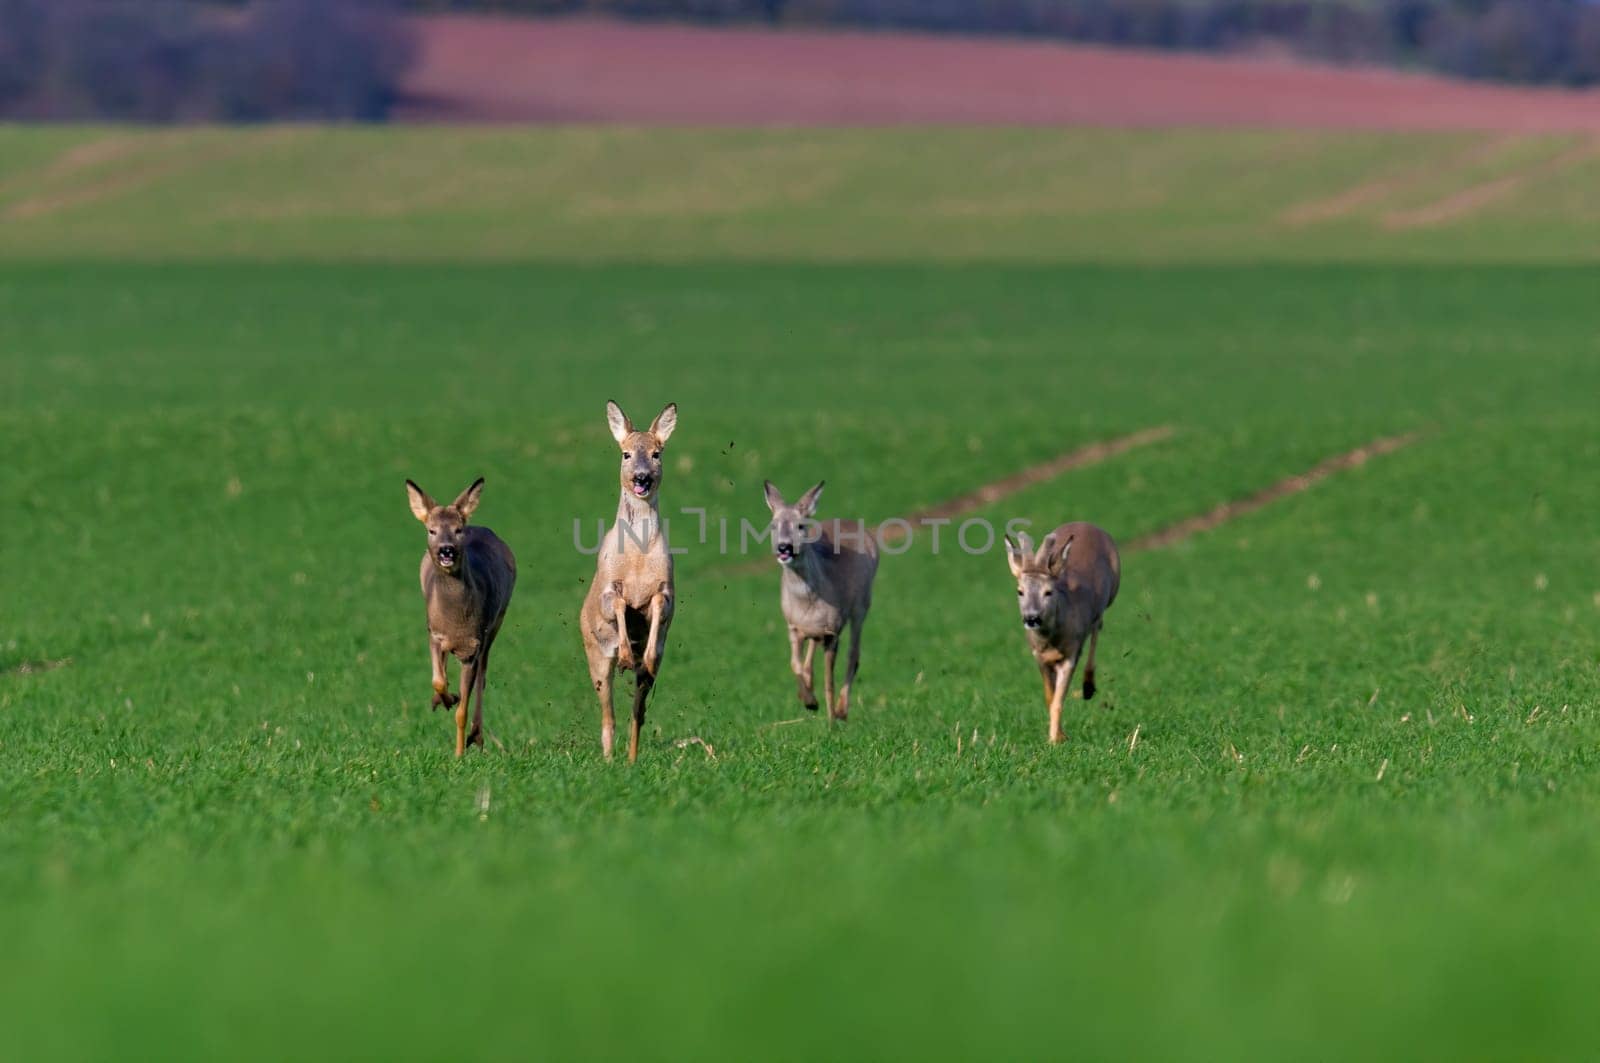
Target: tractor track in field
1370,192
1471,200
894,529
178,154
90,155
990,493
1291,485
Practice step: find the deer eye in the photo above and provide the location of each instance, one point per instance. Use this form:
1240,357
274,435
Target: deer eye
626,456
1048,593
1019,592
433,531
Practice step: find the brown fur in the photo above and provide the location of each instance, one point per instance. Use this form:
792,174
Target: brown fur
826,585
466,600
1066,586
629,606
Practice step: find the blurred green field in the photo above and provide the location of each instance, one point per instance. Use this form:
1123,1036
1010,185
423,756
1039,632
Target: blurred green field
617,194
1357,821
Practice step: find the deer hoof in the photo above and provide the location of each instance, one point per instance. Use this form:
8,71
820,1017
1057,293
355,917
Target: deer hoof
1088,687
447,700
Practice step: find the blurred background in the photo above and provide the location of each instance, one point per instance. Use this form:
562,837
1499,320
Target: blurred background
361,60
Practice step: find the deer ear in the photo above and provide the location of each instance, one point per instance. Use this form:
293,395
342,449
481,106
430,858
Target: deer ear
808,501
467,501
665,422
1016,555
421,504
621,427
774,500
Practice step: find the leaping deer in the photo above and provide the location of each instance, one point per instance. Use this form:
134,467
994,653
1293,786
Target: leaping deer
628,609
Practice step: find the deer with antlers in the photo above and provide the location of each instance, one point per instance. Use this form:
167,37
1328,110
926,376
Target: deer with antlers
1063,591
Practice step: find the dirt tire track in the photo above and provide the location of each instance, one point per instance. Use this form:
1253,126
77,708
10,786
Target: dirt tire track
1292,485
1471,200
89,155
1161,537
129,181
138,177
990,493
1089,454
1377,189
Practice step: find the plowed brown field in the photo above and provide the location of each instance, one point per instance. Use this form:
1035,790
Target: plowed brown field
487,69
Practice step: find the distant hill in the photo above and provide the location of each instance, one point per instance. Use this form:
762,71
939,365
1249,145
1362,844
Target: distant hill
1537,42
498,69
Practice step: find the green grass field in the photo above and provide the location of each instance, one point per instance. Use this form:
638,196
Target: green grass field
608,194
1359,818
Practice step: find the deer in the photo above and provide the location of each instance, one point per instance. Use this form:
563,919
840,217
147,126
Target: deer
629,605
467,574
1063,592
828,568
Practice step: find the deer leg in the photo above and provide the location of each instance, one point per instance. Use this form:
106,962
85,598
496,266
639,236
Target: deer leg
655,643
475,736
1088,669
802,668
642,682
624,644
601,653
441,679
1063,681
1048,671
843,710
830,653
608,716
469,679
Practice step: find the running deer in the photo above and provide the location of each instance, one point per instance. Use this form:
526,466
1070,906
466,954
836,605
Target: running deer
828,567
467,578
1063,592
628,609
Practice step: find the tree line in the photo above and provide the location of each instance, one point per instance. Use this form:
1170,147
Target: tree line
170,60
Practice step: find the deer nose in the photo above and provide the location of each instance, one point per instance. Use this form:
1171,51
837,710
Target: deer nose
1030,619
